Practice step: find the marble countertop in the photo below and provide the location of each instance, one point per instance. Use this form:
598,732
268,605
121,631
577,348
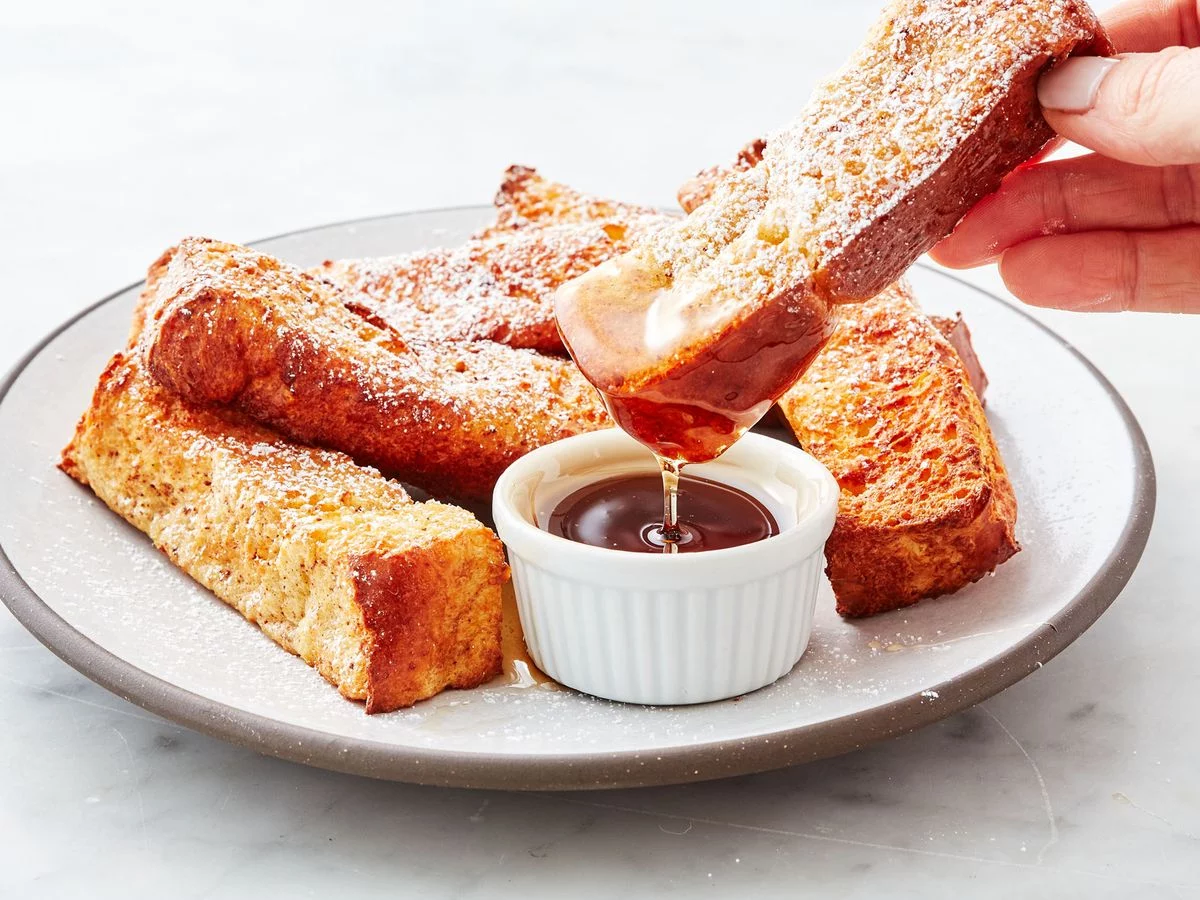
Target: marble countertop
130,124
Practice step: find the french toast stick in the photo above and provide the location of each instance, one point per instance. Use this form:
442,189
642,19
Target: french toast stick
227,326
527,199
890,339
700,187
389,599
499,286
926,505
693,333
959,335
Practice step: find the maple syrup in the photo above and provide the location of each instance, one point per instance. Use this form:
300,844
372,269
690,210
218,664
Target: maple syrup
626,512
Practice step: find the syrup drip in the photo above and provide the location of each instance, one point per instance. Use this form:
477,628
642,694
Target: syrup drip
672,536
520,670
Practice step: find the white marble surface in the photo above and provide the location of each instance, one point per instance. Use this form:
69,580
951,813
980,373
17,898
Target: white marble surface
127,125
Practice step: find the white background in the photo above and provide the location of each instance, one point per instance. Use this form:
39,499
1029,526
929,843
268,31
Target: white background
124,126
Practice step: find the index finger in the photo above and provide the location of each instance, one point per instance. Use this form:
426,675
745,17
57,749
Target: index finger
1145,26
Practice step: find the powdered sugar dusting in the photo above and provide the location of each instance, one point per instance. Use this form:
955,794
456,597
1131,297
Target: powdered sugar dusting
498,286
108,583
528,200
928,75
496,289
441,408
923,83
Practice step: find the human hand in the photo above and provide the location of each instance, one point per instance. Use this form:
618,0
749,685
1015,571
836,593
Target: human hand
1118,229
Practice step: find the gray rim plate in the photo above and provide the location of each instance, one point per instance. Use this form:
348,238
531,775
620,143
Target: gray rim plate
796,720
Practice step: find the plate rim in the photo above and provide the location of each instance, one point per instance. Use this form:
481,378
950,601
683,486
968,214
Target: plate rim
595,770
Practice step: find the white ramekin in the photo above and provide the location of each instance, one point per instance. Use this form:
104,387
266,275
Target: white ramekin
659,629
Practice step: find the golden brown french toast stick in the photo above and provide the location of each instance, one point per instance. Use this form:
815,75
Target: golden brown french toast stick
926,505
699,188
499,286
694,332
527,199
232,327
389,599
959,335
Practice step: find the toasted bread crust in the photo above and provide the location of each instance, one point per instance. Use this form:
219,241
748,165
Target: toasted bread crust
959,335
432,618
926,505
934,109
498,288
390,600
893,335
528,200
232,327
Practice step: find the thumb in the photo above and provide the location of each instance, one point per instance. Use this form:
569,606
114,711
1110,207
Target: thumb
1141,108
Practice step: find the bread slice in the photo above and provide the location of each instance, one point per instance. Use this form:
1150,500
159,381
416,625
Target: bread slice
527,199
231,327
389,599
926,505
498,288
928,116
700,187
959,335
876,547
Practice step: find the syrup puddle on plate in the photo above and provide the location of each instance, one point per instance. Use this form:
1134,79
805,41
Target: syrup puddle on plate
520,671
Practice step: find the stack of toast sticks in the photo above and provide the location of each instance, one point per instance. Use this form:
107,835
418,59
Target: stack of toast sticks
260,419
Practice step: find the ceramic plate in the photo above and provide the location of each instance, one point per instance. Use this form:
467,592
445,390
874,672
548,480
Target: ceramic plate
98,594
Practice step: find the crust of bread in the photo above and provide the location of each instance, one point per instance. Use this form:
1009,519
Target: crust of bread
926,504
929,115
390,600
500,288
896,338
526,199
231,327
959,335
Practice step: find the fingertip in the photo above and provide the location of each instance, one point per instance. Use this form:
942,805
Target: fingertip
1023,270
1061,273
1009,268
960,251
1139,108
943,253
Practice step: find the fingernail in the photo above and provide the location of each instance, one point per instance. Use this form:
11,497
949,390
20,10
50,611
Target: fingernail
1073,85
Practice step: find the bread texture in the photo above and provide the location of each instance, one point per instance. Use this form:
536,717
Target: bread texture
844,411
700,187
926,505
389,599
955,331
500,285
927,117
499,288
226,326
528,200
